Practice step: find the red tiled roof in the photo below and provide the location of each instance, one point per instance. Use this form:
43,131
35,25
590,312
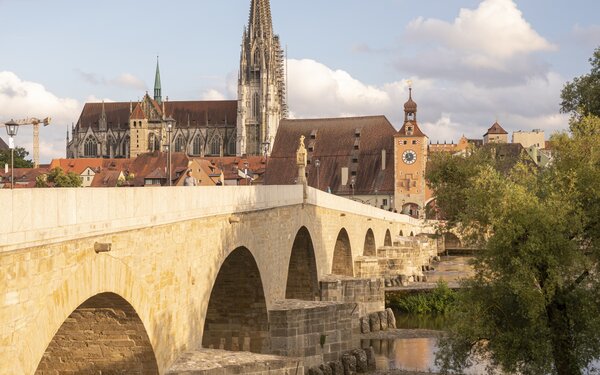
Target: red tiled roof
231,164
117,114
24,177
355,143
146,166
138,113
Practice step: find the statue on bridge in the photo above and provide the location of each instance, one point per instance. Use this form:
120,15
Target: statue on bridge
301,161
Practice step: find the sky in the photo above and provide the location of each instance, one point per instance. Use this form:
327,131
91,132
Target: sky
471,62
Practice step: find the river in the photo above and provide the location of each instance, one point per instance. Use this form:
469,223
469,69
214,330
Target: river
418,353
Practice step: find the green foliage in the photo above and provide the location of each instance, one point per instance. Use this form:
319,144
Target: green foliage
20,158
533,306
58,178
582,96
437,301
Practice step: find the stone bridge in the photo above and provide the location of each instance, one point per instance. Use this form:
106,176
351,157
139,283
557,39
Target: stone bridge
134,277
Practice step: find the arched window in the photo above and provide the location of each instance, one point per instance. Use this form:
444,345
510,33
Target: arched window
215,146
153,142
179,144
196,145
126,142
231,146
255,106
257,57
90,147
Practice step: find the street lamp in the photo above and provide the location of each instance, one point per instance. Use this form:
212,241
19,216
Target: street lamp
169,129
11,128
318,164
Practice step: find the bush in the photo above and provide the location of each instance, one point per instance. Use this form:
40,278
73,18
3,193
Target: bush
437,301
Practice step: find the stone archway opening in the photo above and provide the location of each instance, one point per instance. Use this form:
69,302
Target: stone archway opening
342,255
237,318
302,279
104,335
388,238
369,248
401,234
451,241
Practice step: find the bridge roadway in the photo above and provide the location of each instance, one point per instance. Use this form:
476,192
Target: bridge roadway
173,267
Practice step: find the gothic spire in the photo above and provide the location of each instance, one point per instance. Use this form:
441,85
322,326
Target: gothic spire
259,22
157,88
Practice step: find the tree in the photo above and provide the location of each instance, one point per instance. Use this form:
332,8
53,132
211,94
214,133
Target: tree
20,155
582,96
533,306
58,178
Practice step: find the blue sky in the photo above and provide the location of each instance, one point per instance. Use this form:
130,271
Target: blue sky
471,61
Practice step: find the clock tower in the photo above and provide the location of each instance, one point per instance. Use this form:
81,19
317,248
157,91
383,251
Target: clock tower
410,159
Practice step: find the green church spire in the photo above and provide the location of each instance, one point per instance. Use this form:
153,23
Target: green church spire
157,89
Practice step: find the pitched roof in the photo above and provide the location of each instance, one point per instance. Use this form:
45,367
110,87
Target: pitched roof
150,165
138,113
185,113
78,166
3,145
24,177
355,143
415,133
496,129
231,164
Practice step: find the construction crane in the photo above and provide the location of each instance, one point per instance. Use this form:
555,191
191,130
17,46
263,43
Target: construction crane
36,135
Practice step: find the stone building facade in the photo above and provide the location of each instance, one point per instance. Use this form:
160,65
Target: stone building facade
246,126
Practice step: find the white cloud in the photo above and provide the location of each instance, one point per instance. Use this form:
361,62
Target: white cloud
492,45
212,94
445,111
22,99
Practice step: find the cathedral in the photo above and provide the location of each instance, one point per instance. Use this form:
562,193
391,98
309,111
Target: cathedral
246,126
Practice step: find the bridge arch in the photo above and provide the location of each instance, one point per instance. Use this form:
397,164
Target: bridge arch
342,255
302,279
236,317
102,335
369,248
401,234
451,241
388,238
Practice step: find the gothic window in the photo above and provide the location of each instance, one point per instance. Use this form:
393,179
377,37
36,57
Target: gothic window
90,147
257,57
215,146
126,142
196,145
153,142
255,106
179,144
231,146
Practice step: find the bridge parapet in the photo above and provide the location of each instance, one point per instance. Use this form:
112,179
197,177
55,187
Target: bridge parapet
43,216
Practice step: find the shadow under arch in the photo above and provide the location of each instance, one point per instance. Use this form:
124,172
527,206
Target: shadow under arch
401,234
451,241
102,335
388,238
369,248
302,279
342,255
236,317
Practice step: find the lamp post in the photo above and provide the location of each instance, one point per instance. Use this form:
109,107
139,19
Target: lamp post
169,129
318,164
11,128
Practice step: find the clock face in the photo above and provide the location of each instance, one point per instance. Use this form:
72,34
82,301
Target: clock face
409,156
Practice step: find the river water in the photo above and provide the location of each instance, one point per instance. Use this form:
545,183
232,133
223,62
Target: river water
418,353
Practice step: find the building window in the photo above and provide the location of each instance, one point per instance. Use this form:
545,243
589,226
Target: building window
215,146
90,147
385,201
231,146
179,144
414,142
405,142
153,142
255,106
196,145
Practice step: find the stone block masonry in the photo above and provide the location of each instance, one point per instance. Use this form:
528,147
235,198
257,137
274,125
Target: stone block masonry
220,362
316,331
369,294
